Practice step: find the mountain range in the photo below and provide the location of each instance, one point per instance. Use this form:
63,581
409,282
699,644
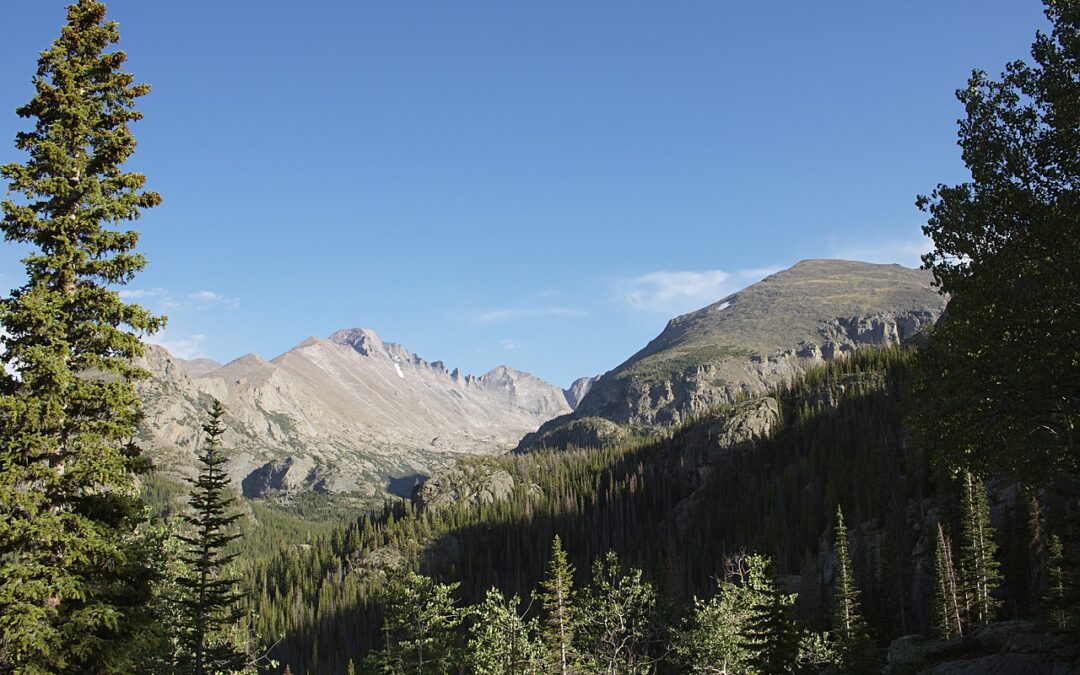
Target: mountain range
348,414
351,414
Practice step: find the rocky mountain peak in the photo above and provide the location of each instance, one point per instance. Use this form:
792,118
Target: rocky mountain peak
363,340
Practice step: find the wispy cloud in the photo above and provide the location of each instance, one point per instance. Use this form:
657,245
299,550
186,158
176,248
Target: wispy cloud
906,252
212,298
142,293
520,313
187,347
162,299
682,291
510,345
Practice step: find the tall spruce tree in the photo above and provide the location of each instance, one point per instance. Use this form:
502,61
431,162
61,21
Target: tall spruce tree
73,585
947,602
557,596
772,637
855,650
979,568
211,604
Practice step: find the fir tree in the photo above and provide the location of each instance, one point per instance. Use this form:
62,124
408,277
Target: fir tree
979,568
73,583
211,604
855,651
557,596
947,603
1058,587
772,637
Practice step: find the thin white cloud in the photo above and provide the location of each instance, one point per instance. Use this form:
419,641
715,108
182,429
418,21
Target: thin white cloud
161,299
519,313
907,252
141,293
510,344
673,292
189,347
212,298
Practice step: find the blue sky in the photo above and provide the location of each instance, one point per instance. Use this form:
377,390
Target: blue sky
541,184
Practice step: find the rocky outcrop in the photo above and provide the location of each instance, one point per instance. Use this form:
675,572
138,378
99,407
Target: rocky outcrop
469,482
758,338
578,389
349,414
574,432
1004,648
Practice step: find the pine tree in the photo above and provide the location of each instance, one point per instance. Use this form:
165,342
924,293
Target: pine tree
855,650
772,636
212,601
1058,588
73,582
979,568
947,603
557,596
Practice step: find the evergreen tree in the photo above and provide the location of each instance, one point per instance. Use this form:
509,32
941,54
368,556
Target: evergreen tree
772,637
855,651
947,602
1058,587
211,604
557,596
420,625
73,582
618,624
502,641
979,568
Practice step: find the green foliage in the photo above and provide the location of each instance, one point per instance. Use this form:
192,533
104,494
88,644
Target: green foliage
74,582
998,383
948,619
714,637
979,575
557,596
502,641
772,636
1059,588
210,607
619,624
420,627
855,652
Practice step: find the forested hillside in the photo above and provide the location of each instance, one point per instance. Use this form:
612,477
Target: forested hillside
675,507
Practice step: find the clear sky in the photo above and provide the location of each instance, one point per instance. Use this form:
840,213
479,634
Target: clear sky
540,184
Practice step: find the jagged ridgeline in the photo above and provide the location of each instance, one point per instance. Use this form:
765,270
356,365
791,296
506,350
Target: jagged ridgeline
765,473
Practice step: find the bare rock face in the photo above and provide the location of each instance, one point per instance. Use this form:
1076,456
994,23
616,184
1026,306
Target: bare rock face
348,414
470,482
758,338
578,389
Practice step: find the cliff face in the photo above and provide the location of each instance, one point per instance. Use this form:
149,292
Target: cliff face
348,414
755,339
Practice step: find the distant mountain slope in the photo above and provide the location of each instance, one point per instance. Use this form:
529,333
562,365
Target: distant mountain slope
749,342
348,414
